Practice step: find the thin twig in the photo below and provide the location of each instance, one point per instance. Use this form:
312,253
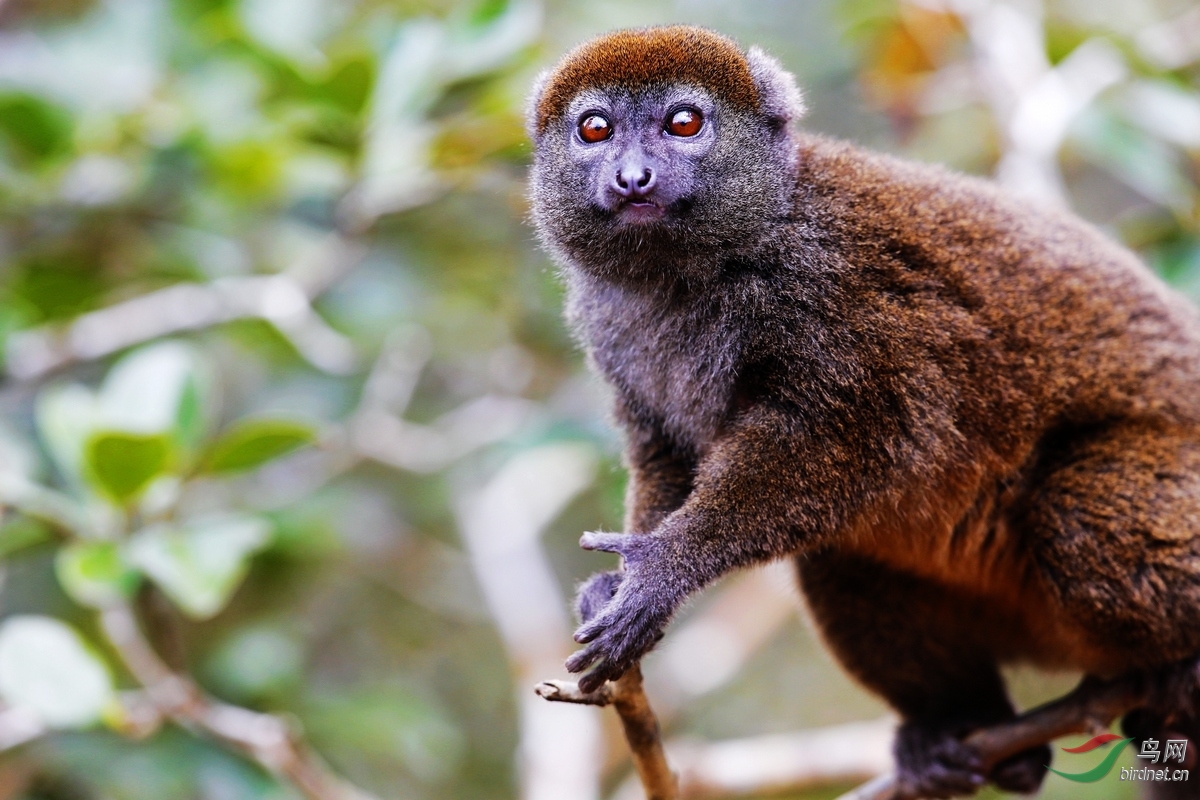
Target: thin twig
644,737
265,738
628,697
1090,707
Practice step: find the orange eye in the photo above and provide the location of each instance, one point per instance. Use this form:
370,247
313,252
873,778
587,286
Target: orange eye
685,122
594,128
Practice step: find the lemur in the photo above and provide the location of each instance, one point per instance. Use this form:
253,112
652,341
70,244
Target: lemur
973,423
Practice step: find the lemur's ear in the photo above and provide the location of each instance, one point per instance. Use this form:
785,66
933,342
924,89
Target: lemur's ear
533,100
778,93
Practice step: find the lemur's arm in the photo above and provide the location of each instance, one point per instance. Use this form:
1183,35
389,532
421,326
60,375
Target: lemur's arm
660,480
755,497
660,472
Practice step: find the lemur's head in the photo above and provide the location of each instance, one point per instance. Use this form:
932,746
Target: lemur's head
658,145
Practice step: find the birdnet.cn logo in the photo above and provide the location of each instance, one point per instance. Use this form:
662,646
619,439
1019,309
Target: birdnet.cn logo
1173,750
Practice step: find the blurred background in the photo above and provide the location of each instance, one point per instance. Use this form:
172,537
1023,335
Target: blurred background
295,449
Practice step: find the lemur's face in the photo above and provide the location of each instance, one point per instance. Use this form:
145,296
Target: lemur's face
661,154
639,155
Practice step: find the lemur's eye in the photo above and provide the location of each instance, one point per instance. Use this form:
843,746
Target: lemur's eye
594,128
684,122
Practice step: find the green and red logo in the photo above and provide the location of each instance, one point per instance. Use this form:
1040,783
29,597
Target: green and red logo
1149,753
1104,767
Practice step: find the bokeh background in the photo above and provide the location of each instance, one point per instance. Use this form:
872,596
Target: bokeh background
286,381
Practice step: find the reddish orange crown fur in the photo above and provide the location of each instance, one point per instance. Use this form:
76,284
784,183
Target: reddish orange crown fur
646,56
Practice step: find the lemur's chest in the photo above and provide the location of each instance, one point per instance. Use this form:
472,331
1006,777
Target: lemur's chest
676,361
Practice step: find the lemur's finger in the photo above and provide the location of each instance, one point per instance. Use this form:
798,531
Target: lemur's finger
582,659
605,542
588,632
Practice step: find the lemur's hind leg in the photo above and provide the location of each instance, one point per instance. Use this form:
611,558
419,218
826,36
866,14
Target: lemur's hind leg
1113,523
925,649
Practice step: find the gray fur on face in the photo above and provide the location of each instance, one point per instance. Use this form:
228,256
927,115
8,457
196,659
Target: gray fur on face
638,139
724,191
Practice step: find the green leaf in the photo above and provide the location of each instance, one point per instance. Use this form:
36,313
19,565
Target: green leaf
123,463
190,421
150,399
32,129
251,443
95,574
199,564
21,533
46,668
488,10
349,85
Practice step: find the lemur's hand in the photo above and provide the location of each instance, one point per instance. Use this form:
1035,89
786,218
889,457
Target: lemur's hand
623,613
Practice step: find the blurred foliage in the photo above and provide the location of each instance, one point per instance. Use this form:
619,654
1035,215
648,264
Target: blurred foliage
204,476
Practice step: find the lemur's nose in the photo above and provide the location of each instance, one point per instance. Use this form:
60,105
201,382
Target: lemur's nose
633,180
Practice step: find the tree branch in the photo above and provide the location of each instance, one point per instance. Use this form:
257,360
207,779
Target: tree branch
284,300
265,738
1090,707
628,697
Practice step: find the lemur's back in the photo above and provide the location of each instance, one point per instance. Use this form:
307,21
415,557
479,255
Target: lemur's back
1082,329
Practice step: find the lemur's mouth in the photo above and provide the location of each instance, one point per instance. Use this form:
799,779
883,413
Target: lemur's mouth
640,209
641,204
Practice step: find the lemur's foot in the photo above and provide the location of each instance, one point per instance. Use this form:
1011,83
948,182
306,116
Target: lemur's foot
1024,772
933,762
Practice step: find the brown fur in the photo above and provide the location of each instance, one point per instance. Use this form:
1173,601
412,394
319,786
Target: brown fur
1070,375
637,58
